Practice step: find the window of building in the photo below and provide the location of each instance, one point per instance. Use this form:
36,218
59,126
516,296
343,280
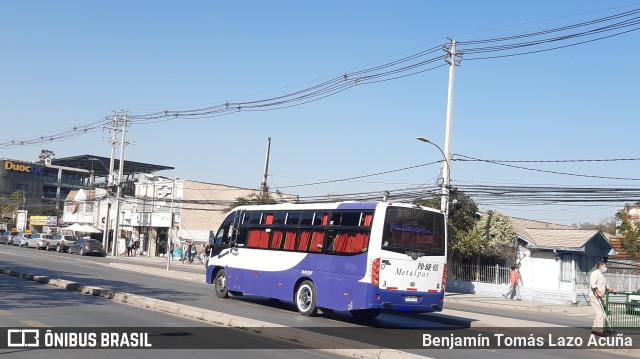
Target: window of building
566,274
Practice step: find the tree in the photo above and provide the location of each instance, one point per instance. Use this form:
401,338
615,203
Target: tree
497,236
254,199
45,211
44,154
606,225
462,219
492,236
9,205
630,231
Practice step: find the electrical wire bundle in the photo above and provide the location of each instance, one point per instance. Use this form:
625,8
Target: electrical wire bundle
414,64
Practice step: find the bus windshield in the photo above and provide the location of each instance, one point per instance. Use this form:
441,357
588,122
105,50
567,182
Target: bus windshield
414,229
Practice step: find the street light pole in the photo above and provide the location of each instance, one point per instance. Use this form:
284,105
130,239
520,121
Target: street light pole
446,177
170,239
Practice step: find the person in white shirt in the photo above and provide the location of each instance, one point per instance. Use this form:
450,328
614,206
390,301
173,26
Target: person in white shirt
599,288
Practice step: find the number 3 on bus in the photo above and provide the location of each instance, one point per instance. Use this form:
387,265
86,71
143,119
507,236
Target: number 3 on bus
360,257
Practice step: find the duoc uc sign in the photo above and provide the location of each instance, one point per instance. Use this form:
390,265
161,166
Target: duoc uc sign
23,167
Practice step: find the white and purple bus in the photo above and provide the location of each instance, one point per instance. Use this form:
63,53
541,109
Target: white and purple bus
360,257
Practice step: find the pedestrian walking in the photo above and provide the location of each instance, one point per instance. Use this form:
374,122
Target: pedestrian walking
206,253
513,285
183,255
136,248
599,288
191,251
129,246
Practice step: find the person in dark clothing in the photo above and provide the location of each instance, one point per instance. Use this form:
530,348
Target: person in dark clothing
191,252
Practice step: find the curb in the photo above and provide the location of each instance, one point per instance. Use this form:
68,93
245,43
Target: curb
307,338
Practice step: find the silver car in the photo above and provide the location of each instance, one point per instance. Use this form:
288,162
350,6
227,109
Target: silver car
39,240
21,239
7,237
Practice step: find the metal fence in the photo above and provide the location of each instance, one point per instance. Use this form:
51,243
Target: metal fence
623,310
495,274
618,281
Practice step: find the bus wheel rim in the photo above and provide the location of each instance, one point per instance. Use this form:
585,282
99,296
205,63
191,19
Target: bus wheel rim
222,283
304,298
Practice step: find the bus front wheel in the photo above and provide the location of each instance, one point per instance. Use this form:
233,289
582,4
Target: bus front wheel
306,298
220,284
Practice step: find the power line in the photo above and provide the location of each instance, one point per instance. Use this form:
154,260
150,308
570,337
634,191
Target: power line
414,64
551,172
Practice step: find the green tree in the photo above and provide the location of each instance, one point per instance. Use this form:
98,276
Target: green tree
497,236
5,206
254,198
9,205
45,211
44,154
630,232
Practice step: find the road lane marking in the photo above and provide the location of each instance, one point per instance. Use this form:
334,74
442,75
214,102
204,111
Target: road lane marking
35,324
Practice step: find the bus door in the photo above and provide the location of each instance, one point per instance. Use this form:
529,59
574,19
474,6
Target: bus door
223,237
232,248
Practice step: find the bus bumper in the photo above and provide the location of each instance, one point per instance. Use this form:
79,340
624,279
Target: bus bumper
406,301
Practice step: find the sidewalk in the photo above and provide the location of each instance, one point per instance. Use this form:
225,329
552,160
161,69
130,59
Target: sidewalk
488,301
160,262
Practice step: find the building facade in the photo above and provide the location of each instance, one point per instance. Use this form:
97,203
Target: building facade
180,210
39,183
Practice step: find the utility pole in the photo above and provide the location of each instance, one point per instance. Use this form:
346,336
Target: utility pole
263,186
170,239
446,171
119,183
112,141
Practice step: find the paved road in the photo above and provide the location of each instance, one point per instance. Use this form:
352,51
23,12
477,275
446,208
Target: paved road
87,271
30,304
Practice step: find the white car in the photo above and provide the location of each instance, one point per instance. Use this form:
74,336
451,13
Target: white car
633,303
39,240
21,239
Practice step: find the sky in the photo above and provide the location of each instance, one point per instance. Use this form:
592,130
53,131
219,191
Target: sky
69,63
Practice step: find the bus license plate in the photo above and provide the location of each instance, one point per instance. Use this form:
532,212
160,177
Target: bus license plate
411,299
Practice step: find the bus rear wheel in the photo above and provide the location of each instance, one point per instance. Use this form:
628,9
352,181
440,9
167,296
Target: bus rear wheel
365,314
220,284
306,298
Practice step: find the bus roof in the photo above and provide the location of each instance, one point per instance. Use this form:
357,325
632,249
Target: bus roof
323,205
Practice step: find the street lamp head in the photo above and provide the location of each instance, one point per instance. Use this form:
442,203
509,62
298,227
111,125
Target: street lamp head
423,139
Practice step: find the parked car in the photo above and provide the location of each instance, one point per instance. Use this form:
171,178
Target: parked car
61,242
39,240
4,236
84,246
21,239
11,237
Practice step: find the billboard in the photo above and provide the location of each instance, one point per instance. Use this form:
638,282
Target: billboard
51,221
